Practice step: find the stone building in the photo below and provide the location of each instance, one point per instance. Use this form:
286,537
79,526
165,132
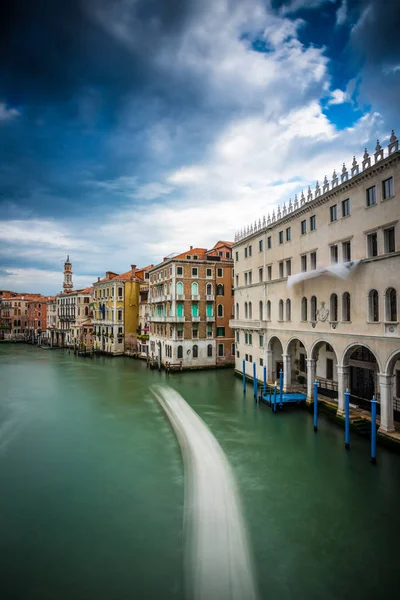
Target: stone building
316,287
144,310
37,319
14,314
191,302
116,312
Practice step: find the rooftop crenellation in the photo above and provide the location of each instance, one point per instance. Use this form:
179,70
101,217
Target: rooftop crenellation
281,213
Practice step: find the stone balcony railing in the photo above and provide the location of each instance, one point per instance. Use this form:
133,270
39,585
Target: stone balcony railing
210,297
210,319
247,324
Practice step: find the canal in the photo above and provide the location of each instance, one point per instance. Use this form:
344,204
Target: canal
92,486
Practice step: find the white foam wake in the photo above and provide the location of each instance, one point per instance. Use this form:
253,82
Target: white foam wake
216,547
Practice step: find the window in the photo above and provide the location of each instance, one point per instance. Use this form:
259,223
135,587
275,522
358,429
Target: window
313,309
238,336
346,207
260,246
261,362
280,310
237,310
208,289
179,288
288,268
195,271
246,311
220,350
268,310
195,351
387,188
195,333
390,305
346,307
250,339
220,331
373,306
247,357
303,261
280,268
120,292
195,309
388,240
260,274
260,310
208,272
371,196
233,350
245,253
220,289
219,272
288,234
179,270
269,242
209,309
209,331
220,253
313,261
333,213
346,251
261,341
250,277
269,272
288,310
313,223
250,311
180,351
119,315
236,256
220,310
249,250
329,368
179,310
237,280
334,308
334,254
303,227
281,237
246,279
195,257
246,338
372,244
195,289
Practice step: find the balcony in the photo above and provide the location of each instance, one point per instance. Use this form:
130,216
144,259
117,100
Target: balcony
180,296
247,324
196,319
210,297
158,318
176,319
210,319
195,297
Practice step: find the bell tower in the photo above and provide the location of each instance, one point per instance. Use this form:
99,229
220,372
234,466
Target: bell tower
67,285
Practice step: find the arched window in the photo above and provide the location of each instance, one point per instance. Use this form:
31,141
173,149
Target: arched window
179,310
250,311
334,308
179,288
280,310
220,310
180,351
268,310
195,309
313,309
260,310
220,289
237,310
86,311
304,311
246,312
373,306
209,289
288,310
195,351
391,305
209,350
346,312
195,289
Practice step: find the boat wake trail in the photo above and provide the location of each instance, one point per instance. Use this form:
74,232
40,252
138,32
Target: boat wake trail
217,553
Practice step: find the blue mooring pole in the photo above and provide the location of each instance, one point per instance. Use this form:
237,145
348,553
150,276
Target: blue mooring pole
265,381
315,405
347,420
255,381
244,375
281,388
275,397
373,430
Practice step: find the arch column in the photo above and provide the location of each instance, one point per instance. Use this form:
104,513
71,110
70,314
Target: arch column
287,371
268,357
386,393
311,371
343,384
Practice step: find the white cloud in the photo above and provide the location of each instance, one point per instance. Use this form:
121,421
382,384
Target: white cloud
341,13
338,97
7,114
41,281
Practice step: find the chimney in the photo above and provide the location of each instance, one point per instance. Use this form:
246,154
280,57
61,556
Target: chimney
191,247
108,274
133,267
98,279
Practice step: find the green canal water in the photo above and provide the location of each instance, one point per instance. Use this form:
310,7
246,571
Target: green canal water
92,487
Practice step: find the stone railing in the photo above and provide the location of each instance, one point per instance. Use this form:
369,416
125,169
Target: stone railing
281,213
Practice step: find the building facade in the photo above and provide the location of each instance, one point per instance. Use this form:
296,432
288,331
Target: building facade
191,301
37,319
14,314
144,311
116,312
316,288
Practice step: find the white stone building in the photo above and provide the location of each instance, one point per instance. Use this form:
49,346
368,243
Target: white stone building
316,288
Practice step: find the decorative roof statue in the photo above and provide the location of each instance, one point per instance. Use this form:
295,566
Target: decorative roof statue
290,205
325,187
354,167
366,160
335,179
345,173
309,194
378,151
393,143
284,210
317,189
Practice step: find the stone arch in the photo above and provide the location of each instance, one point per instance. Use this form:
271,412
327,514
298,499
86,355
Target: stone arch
296,361
275,357
352,347
324,369
363,366
391,361
316,345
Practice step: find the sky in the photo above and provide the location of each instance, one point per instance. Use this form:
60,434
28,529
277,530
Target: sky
132,129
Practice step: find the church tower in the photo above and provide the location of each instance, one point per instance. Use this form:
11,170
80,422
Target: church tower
67,285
